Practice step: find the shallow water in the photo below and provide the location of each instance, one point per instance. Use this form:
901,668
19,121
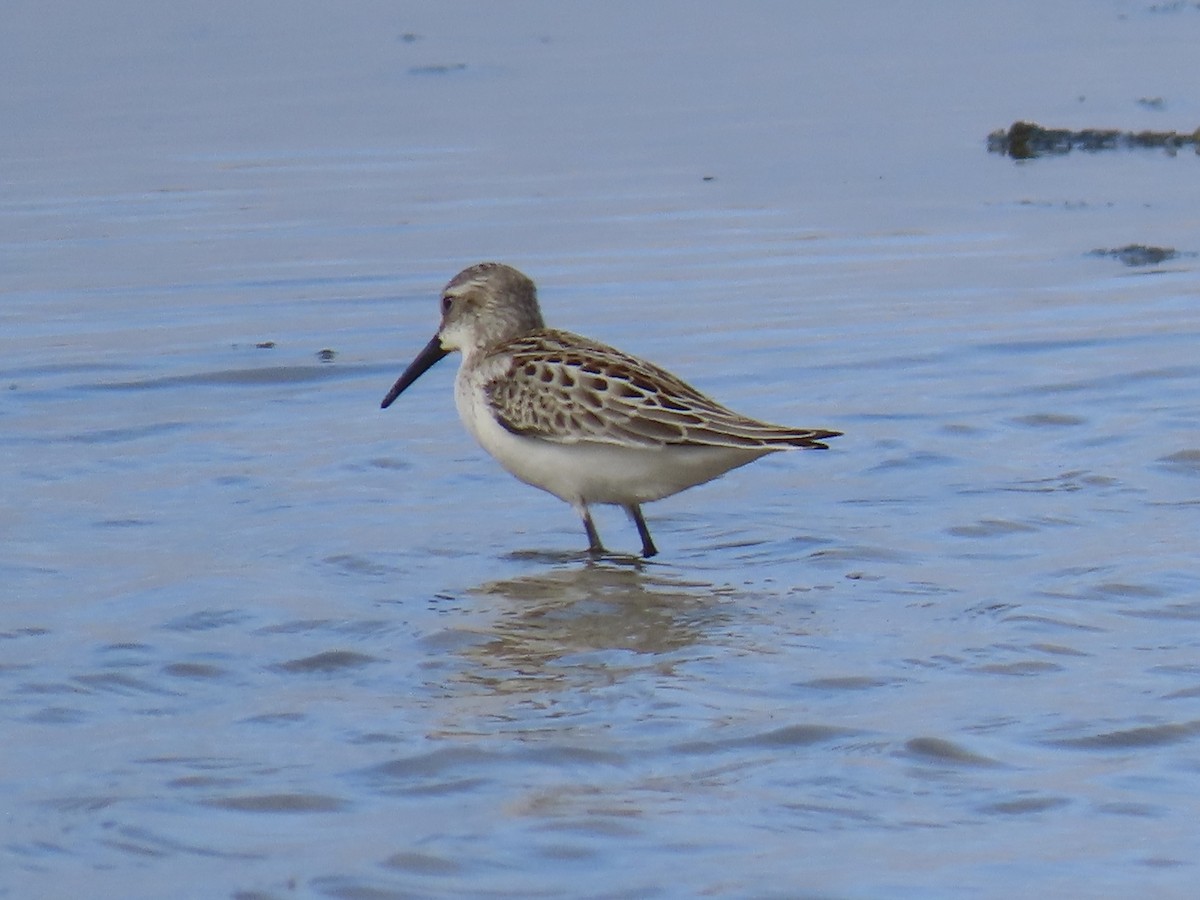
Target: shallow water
262,640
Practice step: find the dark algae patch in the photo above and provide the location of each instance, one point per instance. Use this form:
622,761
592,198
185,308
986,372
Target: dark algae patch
1140,254
1028,140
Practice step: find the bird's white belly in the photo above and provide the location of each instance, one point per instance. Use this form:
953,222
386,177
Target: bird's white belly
594,472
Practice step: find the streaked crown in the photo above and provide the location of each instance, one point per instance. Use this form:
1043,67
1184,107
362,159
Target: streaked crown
487,304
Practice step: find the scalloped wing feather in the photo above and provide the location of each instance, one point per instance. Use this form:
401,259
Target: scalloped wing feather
565,388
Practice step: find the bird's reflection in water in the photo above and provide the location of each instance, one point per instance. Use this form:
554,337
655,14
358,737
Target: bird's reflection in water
578,624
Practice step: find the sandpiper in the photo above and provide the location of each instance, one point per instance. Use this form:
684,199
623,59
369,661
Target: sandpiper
579,419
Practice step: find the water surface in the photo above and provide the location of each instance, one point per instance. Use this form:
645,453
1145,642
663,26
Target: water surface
262,640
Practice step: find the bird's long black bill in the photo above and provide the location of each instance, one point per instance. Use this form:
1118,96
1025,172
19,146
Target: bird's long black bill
425,359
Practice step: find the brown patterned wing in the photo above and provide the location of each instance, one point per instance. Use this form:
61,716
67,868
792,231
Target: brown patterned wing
565,388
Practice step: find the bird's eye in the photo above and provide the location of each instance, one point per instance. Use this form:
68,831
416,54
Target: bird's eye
446,302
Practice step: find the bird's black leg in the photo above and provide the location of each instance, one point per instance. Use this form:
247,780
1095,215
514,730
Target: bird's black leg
635,513
594,546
